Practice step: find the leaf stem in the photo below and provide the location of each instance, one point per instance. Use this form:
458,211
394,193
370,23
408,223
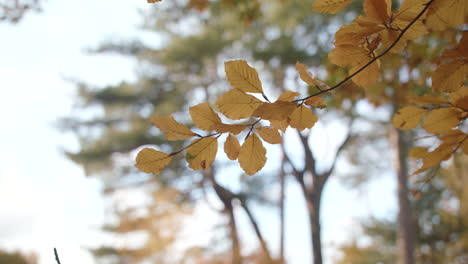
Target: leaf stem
195,142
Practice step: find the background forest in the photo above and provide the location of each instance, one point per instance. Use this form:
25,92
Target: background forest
85,80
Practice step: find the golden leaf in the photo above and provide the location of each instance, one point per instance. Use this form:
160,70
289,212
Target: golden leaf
153,1
458,95
203,116
347,54
418,152
231,147
367,77
243,77
202,153
278,110
427,99
452,136
172,129
408,117
223,128
449,77
442,120
306,76
330,6
288,96
152,161
443,14
270,135
302,118
252,155
434,158
316,101
378,10
236,104
280,124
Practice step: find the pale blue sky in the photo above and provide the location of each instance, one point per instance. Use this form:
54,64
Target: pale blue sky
46,200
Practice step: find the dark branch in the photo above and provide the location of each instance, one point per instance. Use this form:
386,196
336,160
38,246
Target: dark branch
56,256
403,31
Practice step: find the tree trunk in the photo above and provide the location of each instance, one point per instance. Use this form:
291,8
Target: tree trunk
313,208
236,253
406,242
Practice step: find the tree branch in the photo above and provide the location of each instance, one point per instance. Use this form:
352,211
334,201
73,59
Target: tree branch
56,256
403,31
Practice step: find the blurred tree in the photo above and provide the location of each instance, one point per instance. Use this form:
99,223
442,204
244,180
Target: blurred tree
14,10
17,258
441,227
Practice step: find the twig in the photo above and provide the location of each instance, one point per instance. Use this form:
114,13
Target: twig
56,256
374,59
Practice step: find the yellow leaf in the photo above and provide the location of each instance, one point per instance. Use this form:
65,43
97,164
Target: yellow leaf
302,118
252,155
427,99
223,128
243,77
355,33
201,153
458,95
153,1
171,128
345,55
306,76
152,161
330,6
449,77
434,158
408,117
316,101
278,110
280,124
236,105
231,147
444,14
378,10
203,116
288,96
442,120
367,77
418,152
464,146
452,137
270,135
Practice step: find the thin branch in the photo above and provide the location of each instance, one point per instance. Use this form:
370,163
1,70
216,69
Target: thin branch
309,159
193,143
56,256
403,31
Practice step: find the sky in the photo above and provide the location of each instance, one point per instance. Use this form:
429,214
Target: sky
46,200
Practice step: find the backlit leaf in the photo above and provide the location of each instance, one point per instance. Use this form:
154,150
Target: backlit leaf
288,96
447,13
243,77
316,101
378,10
231,128
252,155
330,6
418,152
434,158
449,77
172,129
280,124
427,99
203,116
270,135
441,120
306,76
408,117
231,147
302,118
278,110
152,161
236,104
202,152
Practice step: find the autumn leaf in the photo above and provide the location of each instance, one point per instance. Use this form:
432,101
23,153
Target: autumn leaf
231,128
316,101
434,158
236,104
408,117
243,77
252,155
153,1
278,110
280,124
302,118
449,77
204,117
231,147
171,128
287,96
457,98
418,152
427,99
270,135
441,120
152,161
330,6
202,153
306,76
447,13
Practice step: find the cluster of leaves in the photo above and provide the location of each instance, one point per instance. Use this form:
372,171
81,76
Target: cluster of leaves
438,115
358,46
236,104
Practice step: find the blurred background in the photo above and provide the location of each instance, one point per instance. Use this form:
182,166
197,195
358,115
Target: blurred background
82,78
